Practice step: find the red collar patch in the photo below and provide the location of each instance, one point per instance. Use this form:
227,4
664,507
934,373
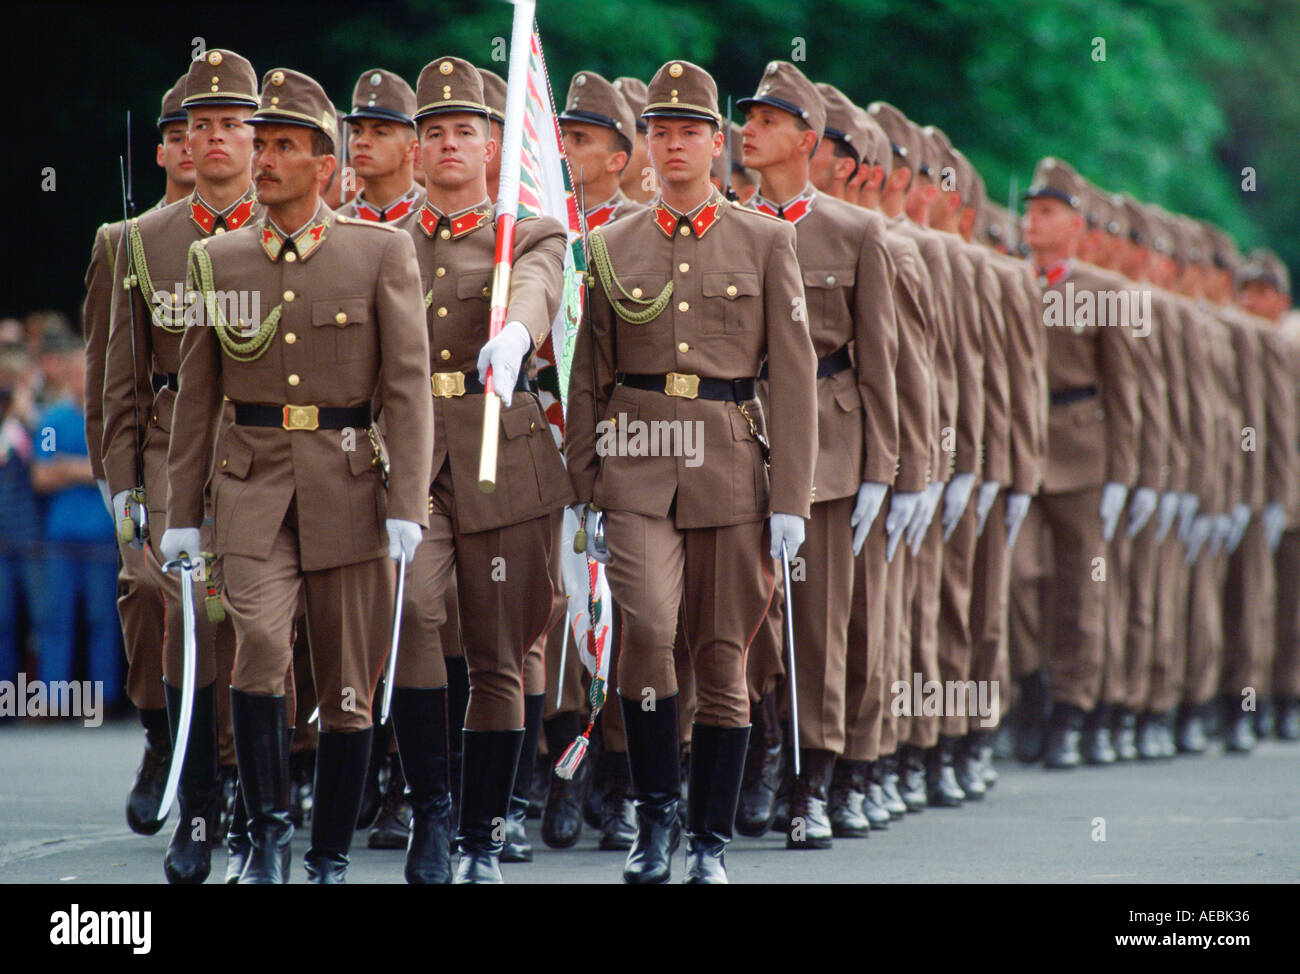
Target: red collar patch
201,215
305,244
240,214
665,219
705,217
601,215
467,222
208,219
396,211
1057,272
795,212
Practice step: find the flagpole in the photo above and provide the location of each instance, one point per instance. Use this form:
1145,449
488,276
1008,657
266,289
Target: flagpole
521,36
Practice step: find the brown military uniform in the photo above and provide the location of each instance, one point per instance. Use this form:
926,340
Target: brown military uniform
384,96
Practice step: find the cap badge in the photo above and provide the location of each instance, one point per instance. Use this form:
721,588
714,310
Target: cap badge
675,69
214,58
277,78
376,78
446,67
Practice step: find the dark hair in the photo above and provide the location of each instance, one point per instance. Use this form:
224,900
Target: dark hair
321,144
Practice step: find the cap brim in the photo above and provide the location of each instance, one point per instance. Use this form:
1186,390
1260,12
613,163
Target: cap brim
590,118
379,114
745,104
172,119
675,111
275,118
200,101
447,108
1052,193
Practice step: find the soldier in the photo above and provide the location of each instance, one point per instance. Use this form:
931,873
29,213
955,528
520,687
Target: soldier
853,139
497,544
342,333
382,148
1265,291
1091,460
638,176
849,277
142,362
139,601
744,181
708,288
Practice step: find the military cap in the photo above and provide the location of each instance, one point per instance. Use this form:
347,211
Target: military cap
974,194
996,224
877,150
1264,266
1118,225
383,95
1141,228
220,78
940,156
932,148
1222,248
785,87
681,89
1162,232
292,98
1056,179
843,122
904,138
173,108
1188,240
635,91
449,84
595,101
494,95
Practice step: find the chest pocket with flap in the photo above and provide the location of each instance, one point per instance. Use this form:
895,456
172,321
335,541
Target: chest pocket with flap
741,297
342,333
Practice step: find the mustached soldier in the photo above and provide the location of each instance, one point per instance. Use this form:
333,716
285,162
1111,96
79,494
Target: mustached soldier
299,502
693,295
142,362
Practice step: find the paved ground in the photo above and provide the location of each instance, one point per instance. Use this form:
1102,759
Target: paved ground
1215,819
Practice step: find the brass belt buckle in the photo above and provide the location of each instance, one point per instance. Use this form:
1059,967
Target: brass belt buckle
301,418
448,384
683,385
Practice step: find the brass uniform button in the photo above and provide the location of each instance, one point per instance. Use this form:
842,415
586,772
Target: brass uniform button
293,379
214,58
683,347
683,267
277,78
684,306
440,272
442,312
341,318
288,295
290,338
219,230
445,354
731,290
223,463
686,231
290,257
444,233
531,426
636,292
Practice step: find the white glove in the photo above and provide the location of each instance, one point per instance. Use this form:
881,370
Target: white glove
505,354
1219,532
601,554
1170,501
1140,508
1017,508
1197,535
787,528
871,495
1274,524
119,507
924,515
1240,521
988,493
955,498
179,541
1112,506
1187,505
403,538
902,511
103,492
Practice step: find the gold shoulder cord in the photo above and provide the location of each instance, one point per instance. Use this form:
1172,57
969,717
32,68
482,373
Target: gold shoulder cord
240,347
653,306
428,299
169,319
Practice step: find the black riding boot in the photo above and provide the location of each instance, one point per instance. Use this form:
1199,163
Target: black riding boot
151,778
263,754
652,755
341,761
420,723
189,854
1031,718
562,816
763,765
717,764
517,847
487,779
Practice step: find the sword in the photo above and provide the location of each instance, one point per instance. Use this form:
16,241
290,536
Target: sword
391,676
134,524
727,190
789,640
186,567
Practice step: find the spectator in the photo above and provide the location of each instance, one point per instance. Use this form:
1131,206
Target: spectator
80,555
21,525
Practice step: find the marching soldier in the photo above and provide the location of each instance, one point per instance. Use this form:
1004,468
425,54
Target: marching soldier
693,296
382,148
143,359
849,279
1091,461
638,176
334,330
139,601
497,544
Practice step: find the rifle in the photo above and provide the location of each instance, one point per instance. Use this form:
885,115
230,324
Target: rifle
132,528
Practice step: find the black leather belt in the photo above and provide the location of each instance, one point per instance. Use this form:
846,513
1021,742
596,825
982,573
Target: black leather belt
1066,396
691,386
302,417
827,366
165,380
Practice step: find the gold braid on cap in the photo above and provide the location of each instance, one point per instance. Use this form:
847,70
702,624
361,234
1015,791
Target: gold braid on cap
605,270
169,319
239,345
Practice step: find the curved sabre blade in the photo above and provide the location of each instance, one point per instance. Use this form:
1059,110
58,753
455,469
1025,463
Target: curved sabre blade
391,676
187,684
789,641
